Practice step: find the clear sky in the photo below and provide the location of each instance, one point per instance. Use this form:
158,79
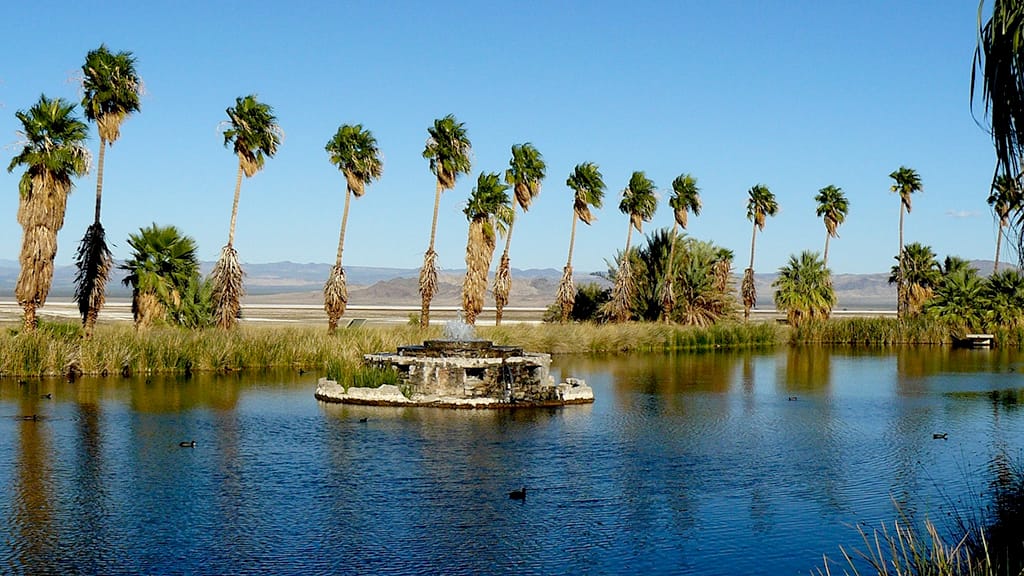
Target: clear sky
795,95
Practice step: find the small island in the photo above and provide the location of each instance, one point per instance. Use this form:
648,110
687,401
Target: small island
461,373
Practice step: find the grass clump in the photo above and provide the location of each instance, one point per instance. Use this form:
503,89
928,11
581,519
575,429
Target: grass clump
872,331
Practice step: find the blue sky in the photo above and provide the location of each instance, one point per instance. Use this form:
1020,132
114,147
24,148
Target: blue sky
794,95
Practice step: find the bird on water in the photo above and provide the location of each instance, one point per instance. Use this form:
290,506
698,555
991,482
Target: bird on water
191,444
942,436
518,494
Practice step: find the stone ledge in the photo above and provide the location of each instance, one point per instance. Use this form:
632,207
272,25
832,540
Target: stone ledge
573,391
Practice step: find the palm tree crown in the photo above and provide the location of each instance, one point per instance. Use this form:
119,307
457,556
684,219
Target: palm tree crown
448,149
53,144
760,204
906,181
489,201
162,267
253,133
685,198
833,207
353,150
638,200
588,184
112,90
1000,62
525,173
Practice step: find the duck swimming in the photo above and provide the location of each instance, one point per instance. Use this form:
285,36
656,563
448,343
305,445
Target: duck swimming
518,494
191,444
942,436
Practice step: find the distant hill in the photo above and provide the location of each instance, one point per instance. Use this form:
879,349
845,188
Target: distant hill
303,282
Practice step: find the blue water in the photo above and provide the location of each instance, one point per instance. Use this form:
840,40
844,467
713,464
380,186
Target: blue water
685,464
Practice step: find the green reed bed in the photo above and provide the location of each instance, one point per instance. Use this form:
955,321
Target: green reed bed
630,337
872,331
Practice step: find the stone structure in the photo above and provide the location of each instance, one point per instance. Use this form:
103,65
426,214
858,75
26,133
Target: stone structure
463,373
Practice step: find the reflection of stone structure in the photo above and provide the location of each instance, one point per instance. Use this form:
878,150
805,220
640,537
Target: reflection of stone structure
471,373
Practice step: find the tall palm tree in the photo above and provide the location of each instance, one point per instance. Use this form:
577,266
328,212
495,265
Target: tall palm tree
53,152
112,90
685,198
448,149
639,203
760,205
489,207
833,208
162,268
804,288
254,135
905,182
588,188
525,173
1004,199
352,150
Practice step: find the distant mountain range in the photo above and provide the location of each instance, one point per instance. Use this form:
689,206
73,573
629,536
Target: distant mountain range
302,283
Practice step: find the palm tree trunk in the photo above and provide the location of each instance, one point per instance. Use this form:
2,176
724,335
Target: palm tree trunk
999,243
572,239
827,236
234,206
668,298
900,288
428,273
99,178
503,275
753,239
344,225
30,316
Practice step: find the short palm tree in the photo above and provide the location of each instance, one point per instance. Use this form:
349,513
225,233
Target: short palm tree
162,268
920,272
1004,199
959,299
639,203
53,152
905,182
489,208
685,198
1004,296
254,135
588,191
804,288
354,152
112,91
448,149
525,173
760,205
833,208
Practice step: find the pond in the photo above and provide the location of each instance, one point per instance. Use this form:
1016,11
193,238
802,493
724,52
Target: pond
714,463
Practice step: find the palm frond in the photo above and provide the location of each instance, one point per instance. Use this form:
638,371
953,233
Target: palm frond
93,263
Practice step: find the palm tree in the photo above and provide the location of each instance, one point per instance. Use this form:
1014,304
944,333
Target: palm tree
639,203
833,208
588,188
1004,199
162,268
526,170
254,135
112,90
53,152
448,149
489,207
1004,296
685,198
905,182
920,272
959,298
354,151
1000,62
760,205
804,288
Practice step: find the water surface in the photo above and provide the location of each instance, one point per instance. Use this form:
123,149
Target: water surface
685,464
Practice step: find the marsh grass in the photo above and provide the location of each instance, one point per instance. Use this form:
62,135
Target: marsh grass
872,331
906,551
58,349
